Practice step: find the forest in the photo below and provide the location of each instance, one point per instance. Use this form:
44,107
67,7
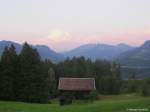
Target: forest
26,77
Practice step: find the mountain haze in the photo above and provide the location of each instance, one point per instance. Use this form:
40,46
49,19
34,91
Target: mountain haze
136,61
44,51
139,56
98,51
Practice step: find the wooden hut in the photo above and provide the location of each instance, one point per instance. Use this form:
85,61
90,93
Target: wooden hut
77,88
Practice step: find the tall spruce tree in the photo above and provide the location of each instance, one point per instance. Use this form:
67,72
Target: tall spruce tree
8,73
32,80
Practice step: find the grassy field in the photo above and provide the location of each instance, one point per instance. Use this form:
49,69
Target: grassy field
121,103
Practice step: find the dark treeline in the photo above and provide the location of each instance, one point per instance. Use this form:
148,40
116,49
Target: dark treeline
107,75
26,77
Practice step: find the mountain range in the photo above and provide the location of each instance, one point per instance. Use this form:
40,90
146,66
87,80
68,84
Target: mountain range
139,56
125,54
98,51
44,51
92,51
136,61
132,59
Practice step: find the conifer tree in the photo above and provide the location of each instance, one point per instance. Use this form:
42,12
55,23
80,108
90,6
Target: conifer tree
30,77
52,82
8,73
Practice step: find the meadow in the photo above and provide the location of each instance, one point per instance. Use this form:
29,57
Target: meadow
109,103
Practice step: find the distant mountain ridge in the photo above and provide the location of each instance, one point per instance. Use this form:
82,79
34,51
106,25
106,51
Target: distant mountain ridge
136,61
5,43
139,56
44,51
125,54
132,59
98,51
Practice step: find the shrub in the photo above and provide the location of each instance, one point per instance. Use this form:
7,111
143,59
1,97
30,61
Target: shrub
93,95
145,90
65,98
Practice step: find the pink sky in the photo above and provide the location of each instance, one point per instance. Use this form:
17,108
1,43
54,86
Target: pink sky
62,41
65,24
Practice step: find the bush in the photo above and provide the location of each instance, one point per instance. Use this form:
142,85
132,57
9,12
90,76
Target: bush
93,95
66,98
145,90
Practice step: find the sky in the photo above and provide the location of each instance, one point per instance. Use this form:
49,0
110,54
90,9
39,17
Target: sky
65,24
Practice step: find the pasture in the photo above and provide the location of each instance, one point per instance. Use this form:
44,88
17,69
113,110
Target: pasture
118,103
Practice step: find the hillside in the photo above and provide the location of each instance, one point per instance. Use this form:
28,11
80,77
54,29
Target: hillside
98,51
44,51
137,57
137,60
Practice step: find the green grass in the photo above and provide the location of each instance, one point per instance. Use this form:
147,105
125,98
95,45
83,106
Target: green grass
118,103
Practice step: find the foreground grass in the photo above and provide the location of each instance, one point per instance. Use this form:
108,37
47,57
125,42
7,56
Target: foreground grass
119,103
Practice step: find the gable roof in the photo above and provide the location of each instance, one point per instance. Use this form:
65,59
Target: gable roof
77,84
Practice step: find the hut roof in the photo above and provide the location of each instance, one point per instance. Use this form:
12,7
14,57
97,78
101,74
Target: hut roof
77,84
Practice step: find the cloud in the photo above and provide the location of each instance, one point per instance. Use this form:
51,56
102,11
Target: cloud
59,35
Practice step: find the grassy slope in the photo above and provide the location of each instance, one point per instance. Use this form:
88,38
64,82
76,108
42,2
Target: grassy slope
109,104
